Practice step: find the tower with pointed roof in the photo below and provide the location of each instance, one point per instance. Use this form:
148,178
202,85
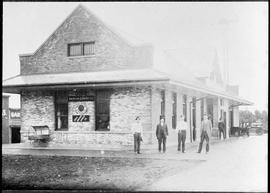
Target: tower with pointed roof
215,74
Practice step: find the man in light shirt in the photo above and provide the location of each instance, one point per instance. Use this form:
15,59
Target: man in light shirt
206,128
137,133
181,128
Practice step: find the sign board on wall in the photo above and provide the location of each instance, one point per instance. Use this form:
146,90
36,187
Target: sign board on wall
15,114
80,118
80,98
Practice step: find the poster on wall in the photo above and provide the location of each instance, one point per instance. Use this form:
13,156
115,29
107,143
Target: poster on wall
80,118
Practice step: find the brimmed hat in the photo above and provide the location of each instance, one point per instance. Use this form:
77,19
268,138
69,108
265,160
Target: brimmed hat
162,117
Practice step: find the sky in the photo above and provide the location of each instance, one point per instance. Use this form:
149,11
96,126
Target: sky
191,31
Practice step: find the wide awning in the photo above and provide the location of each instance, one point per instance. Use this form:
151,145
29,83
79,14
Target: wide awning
214,92
110,78
119,77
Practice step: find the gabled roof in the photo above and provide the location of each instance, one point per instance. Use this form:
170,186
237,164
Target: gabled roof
124,36
166,63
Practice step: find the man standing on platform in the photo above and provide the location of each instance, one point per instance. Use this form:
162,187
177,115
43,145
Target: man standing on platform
162,133
221,128
206,128
137,133
182,132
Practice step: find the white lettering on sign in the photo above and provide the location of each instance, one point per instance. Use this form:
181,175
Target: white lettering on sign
15,114
4,113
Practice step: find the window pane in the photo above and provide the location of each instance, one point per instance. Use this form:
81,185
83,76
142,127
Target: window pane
75,50
103,109
89,48
61,110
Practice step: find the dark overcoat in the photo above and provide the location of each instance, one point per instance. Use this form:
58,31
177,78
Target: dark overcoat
162,131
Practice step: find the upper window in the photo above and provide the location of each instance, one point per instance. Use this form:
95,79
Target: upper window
81,49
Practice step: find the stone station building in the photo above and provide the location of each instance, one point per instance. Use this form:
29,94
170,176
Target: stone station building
87,84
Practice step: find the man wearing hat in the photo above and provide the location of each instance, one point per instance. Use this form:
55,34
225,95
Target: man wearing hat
206,128
162,133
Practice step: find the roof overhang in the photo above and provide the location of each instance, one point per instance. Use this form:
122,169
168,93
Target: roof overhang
84,79
103,79
212,92
16,89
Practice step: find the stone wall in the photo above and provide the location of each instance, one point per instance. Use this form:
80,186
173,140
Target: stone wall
125,105
111,51
86,139
37,108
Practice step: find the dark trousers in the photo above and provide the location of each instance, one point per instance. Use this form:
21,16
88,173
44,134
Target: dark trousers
204,136
181,140
137,142
162,140
223,133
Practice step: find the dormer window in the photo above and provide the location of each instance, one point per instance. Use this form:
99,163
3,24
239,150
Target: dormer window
81,49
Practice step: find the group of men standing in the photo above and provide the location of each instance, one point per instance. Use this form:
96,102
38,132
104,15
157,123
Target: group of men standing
182,126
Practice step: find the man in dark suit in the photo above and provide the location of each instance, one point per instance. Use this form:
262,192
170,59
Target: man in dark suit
221,128
162,133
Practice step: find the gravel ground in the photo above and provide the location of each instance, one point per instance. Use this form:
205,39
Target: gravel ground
95,173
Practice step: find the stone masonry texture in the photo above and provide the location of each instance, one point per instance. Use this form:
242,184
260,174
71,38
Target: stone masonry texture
125,105
37,108
111,51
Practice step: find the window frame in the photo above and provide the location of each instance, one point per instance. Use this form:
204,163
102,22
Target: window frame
56,103
82,44
97,100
